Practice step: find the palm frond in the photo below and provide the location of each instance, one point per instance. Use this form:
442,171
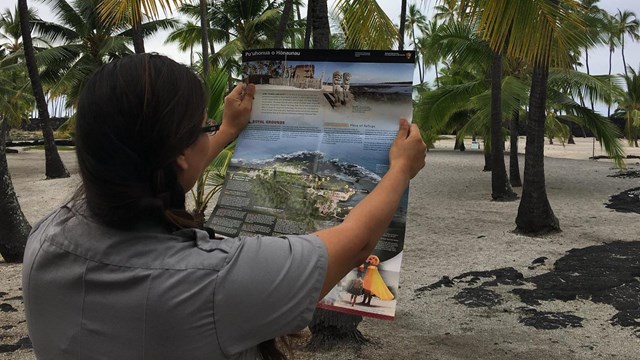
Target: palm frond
366,25
114,11
432,111
602,128
596,87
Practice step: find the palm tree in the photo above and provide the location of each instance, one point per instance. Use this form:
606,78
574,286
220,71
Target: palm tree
86,44
416,20
246,24
425,47
629,106
238,24
594,17
456,41
54,167
15,104
517,20
445,11
186,35
628,25
613,38
11,34
500,186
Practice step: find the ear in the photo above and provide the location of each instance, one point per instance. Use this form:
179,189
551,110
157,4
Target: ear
182,163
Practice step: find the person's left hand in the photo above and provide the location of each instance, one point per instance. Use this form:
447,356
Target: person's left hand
237,108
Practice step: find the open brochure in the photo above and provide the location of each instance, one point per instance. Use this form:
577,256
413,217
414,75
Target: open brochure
317,143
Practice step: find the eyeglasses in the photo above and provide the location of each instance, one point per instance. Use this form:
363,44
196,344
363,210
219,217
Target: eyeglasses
211,129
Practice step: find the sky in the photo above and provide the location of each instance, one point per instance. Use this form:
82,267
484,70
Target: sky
598,57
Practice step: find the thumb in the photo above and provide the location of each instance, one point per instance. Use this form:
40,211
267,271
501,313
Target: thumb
403,131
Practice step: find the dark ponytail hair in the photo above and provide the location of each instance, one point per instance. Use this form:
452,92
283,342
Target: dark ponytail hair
135,116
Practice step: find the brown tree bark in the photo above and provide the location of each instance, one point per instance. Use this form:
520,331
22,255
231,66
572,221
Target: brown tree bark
14,227
320,24
514,162
138,37
282,26
403,20
535,215
204,26
500,187
54,167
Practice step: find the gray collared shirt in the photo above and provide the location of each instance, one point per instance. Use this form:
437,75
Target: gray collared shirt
93,292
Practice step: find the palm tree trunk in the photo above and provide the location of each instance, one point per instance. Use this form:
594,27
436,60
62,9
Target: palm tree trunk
282,26
610,58
14,227
586,60
54,167
309,25
514,164
138,37
329,327
320,24
403,20
535,215
204,26
212,47
487,158
624,60
500,188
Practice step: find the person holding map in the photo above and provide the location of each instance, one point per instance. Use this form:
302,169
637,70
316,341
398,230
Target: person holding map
122,271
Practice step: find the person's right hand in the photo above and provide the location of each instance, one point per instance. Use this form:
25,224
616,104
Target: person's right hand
408,150
237,109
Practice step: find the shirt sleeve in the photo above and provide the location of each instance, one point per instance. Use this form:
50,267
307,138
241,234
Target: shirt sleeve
270,287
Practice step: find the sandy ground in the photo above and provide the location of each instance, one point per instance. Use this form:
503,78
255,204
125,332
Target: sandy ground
452,228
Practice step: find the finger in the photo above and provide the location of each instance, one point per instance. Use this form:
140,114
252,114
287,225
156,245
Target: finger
403,131
236,93
414,132
250,91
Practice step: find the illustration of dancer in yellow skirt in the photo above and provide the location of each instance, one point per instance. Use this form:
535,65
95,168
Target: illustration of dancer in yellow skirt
373,284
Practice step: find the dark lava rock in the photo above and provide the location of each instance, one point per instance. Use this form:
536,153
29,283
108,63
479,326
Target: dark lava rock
445,281
24,343
478,297
604,273
626,201
539,261
627,174
503,276
607,274
4,307
627,318
545,320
